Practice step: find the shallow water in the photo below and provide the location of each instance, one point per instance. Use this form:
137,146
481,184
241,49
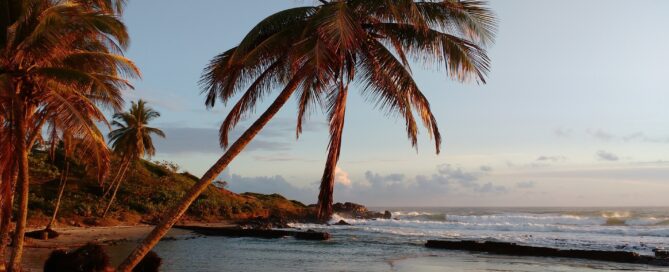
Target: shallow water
398,245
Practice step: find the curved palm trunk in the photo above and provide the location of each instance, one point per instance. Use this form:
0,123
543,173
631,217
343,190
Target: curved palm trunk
23,183
118,184
61,190
177,211
325,196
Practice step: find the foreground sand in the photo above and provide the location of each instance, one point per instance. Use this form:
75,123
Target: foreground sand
37,251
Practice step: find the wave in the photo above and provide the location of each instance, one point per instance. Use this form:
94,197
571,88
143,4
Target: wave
595,230
420,223
602,219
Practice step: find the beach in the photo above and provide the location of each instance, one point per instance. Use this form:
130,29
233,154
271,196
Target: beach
73,237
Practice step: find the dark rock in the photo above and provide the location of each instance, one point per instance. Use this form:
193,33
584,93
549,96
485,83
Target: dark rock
505,248
272,222
661,253
44,234
342,223
259,233
237,232
348,207
353,210
312,235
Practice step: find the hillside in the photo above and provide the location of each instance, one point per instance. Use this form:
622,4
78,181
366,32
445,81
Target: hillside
147,192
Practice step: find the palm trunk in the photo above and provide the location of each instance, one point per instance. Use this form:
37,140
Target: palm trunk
325,197
23,183
121,168
118,184
10,177
61,189
177,211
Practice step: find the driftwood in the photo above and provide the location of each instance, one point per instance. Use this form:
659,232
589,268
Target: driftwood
259,233
504,248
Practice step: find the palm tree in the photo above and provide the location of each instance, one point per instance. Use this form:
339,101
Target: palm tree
70,144
453,33
58,59
132,140
317,51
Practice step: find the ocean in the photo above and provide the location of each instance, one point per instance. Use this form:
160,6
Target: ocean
398,244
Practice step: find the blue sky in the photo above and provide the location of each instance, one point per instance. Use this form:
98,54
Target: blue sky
575,112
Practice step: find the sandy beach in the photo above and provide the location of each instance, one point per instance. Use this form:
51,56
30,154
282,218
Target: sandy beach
72,237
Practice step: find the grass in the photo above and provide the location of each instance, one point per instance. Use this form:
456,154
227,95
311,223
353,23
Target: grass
145,195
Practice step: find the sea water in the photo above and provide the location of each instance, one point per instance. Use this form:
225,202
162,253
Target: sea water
397,244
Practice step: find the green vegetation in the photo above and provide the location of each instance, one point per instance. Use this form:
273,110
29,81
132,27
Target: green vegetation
151,188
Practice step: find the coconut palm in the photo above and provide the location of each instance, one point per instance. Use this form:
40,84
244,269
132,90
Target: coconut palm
450,32
131,140
59,59
318,51
98,156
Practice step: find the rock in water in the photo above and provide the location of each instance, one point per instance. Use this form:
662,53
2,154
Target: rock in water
505,248
661,253
312,235
342,223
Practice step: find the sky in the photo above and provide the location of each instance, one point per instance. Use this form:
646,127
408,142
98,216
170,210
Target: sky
575,111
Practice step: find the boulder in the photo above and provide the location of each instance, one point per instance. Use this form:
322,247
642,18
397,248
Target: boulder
387,215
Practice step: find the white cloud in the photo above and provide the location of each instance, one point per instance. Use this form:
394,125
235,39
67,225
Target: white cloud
341,177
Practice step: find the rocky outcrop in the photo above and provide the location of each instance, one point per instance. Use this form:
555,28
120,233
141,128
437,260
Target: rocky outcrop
505,248
259,233
353,210
271,222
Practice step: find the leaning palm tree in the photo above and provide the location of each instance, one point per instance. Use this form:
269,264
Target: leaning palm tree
59,59
451,32
318,51
131,140
98,156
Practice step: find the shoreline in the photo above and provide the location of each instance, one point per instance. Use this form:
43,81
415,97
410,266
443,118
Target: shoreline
72,237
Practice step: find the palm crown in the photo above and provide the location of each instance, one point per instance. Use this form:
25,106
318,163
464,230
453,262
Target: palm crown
132,136
318,51
60,62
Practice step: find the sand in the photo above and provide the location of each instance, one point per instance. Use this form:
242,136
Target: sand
37,251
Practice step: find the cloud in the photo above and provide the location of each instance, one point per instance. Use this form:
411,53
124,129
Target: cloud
379,189
205,140
485,168
607,156
642,137
563,133
281,157
278,135
342,178
601,135
551,158
526,184
268,185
